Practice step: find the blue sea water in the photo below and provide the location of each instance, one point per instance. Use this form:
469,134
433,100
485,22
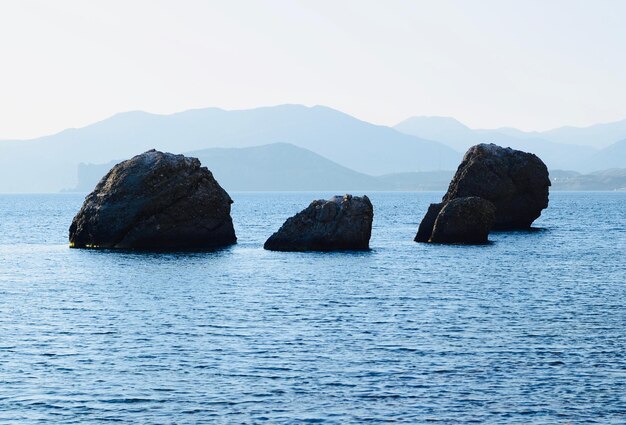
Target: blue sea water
528,329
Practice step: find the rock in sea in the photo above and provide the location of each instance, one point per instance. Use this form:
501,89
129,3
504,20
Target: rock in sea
515,182
340,223
155,201
465,220
428,223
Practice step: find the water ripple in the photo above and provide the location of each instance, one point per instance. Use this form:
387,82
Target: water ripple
528,329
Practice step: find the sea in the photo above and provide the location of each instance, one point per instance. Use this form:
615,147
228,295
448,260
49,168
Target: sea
528,329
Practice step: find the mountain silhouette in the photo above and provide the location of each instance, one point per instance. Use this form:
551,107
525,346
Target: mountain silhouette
598,135
357,149
49,163
460,137
274,167
285,167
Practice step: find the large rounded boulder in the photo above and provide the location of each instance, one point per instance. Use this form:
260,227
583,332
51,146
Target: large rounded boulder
465,220
515,182
340,223
155,201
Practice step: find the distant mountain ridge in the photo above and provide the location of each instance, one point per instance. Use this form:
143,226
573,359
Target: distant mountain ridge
49,163
282,167
597,136
579,152
613,156
401,154
285,167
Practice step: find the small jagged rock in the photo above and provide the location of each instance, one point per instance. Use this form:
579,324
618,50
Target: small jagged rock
340,223
428,222
515,182
465,220
155,201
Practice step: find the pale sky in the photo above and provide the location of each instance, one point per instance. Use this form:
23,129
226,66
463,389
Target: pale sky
530,64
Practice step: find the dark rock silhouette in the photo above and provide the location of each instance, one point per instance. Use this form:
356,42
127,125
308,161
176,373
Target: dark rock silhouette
464,220
516,182
340,223
428,222
157,201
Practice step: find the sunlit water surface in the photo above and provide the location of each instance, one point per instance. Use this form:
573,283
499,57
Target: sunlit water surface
528,329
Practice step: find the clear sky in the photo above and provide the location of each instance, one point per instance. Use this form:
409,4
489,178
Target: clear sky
531,64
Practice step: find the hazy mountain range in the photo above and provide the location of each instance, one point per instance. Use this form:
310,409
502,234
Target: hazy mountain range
588,149
293,147
285,167
278,166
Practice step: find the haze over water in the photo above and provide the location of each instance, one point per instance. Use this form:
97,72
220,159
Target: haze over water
528,329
